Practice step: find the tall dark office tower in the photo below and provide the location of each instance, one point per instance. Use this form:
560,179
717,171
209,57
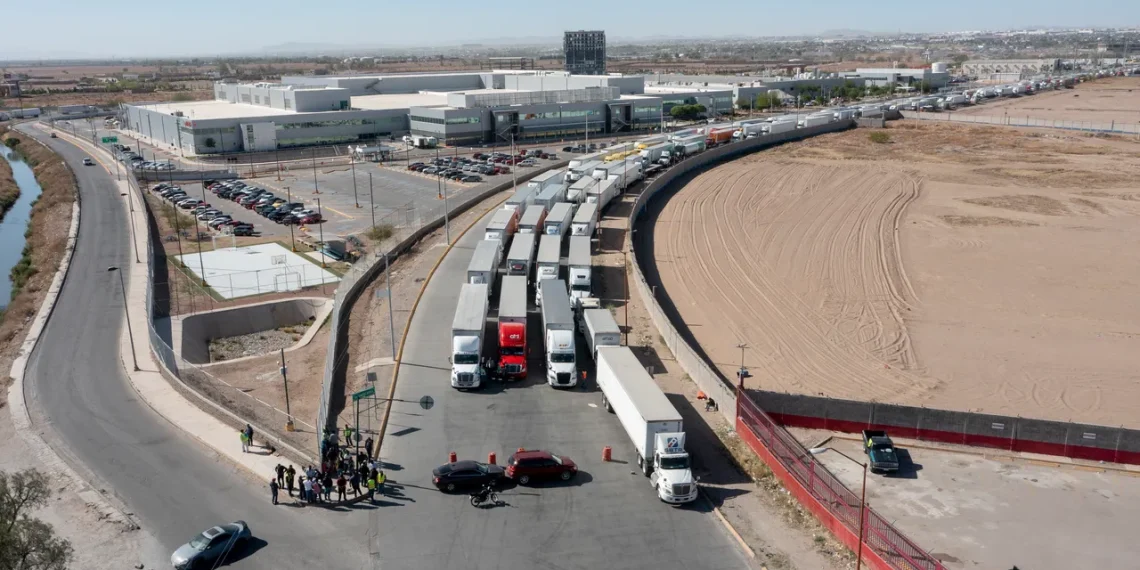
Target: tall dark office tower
585,52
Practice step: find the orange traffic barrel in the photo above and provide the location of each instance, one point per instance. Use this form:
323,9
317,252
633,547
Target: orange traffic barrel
451,457
607,453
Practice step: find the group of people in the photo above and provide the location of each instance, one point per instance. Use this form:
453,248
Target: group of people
339,472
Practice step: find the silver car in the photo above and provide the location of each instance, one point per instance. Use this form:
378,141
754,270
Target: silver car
211,548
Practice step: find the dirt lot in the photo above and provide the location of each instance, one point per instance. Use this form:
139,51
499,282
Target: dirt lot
1102,101
955,267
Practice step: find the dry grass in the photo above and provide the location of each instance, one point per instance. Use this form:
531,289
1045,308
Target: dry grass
984,221
1028,203
47,239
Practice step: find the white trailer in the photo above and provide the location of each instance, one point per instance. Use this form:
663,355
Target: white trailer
781,127
818,119
585,220
603,171
650,155
521,255
576,194
750,130
558,220
575,173
484,265
651,422
531,220
602,194
541,181
580,264
558,334
625,178
467,337
647,142
523,197
548,265
599,329
551,195
502,226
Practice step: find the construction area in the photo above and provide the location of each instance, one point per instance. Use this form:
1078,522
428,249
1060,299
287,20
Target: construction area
982,269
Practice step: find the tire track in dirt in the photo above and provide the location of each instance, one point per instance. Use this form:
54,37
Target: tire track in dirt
802,263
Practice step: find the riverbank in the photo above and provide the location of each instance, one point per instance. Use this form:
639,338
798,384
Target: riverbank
9,191
46,240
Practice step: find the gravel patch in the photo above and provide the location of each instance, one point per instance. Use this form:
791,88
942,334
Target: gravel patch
254,344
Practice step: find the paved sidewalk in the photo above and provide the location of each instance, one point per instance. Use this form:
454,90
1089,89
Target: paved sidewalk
148,381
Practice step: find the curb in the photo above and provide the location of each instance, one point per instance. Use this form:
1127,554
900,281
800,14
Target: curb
407,325
21,417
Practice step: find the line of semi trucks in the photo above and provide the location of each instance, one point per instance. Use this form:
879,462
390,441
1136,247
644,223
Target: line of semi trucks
522,251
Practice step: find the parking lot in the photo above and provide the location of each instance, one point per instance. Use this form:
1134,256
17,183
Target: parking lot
995,512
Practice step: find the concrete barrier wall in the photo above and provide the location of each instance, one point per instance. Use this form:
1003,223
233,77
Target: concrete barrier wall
183,175
350,288
707,378
199,329
1015,434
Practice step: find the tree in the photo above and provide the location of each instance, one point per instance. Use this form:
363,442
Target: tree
687,112
210,142
27,543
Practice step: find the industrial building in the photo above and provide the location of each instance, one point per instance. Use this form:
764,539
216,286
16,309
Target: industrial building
585,52
1022,67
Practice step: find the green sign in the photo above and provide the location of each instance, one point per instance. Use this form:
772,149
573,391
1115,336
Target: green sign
364,394
110,139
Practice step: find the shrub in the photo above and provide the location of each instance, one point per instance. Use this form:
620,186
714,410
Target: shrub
879,137
380,232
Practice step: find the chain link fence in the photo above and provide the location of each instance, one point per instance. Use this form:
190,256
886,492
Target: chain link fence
1119,127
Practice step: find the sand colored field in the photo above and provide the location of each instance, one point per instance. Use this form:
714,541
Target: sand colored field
957,267
1104,101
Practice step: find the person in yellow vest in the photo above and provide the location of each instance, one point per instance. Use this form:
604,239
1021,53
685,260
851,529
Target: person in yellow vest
371,490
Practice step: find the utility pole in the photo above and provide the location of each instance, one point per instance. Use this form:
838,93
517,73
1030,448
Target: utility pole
391,317
372,199
321,228
352,160
315,189
743,372
292,242
285,379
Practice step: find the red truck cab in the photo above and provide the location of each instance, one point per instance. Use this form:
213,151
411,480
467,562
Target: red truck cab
512,350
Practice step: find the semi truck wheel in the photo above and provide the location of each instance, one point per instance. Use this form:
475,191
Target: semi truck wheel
606,405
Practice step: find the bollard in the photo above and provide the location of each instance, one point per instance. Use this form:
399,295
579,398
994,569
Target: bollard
491,458
451,457
607,453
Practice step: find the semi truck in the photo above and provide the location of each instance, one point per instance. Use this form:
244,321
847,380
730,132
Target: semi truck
599,329
521,255
551,195
532,219
780,127
652,154
818,119
719,136
523,197
467,337
558,334
512,327
748,131
575,173
628,177
651,422
602,194
558,220
541,181
576,194
548,265
502,226
585,220
580,267
484,265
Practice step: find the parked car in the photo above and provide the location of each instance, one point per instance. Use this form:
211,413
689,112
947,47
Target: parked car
465,475
527,466
210,548
218,221
246,230
471,179
189,203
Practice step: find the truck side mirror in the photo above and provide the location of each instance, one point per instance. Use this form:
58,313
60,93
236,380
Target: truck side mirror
449,359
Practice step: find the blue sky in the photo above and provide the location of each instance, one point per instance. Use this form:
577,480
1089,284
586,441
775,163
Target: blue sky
209,27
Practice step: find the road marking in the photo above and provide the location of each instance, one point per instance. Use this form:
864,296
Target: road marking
340,212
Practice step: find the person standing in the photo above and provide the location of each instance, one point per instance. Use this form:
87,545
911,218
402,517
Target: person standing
371,490
249,434
280,469
307,485
341,484
368,446
355,480
273,488
380,479
317,490
347,434
244,442
327,486
290,474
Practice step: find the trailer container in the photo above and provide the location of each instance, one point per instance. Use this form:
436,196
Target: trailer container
551,195
502,226
650,141
719,136
521,255
576,194
512,327
558,220
585,220
599,329
523,197
558,334
580,267
467,337
484,265
602,194
575,173
532,219
542,180
548,264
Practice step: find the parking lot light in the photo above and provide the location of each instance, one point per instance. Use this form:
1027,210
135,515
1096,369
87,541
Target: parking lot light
862,501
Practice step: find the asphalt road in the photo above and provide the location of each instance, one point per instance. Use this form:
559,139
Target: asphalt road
609,517
77,389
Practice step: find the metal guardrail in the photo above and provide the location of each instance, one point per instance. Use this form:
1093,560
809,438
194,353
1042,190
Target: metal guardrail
1117,127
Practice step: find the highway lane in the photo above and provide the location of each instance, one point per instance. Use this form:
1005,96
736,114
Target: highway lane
609,518
76,387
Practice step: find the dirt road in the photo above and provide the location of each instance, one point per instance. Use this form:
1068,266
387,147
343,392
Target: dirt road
954,267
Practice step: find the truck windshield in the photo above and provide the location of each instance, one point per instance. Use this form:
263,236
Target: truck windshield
578,287
463,358
675,462
511,351
562,357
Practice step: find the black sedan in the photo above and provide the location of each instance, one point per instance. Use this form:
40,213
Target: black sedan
465,475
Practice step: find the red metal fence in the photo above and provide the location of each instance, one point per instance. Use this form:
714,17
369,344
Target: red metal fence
836,506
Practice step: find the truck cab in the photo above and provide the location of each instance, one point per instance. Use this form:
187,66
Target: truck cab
512,327
672,473
880,451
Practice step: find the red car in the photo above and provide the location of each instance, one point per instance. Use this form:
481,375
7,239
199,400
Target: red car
526,466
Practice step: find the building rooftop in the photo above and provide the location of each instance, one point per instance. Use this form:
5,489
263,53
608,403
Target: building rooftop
399,100
216,110
666,89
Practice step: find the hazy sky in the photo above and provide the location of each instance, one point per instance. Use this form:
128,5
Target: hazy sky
82,28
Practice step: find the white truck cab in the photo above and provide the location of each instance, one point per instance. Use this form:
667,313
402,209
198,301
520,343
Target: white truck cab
672,473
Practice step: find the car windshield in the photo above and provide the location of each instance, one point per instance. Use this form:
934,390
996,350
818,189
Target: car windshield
199,542
461,358
562,357
511,351
557,459
679,462
481,468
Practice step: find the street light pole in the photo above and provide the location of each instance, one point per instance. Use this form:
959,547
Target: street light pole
371,199
743,371
321,228
288,413
352,161
862,499
292,242
127,315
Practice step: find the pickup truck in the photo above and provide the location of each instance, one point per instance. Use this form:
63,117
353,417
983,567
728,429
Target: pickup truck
880,451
